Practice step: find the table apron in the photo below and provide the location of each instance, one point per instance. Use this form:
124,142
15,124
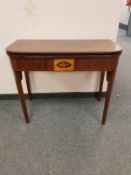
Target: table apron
64,63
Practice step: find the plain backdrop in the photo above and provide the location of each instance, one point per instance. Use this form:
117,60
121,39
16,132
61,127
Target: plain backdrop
55,19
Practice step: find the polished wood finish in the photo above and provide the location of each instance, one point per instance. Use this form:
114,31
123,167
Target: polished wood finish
63,47
64,55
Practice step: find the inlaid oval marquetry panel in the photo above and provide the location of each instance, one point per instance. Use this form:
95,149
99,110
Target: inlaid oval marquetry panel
63,64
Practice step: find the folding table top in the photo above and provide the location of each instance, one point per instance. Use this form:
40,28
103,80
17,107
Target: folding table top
63,47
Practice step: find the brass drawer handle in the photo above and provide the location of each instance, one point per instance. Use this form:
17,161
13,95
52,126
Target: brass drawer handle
63,64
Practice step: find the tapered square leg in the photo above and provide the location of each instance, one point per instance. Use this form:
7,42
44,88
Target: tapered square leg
27,79
102,75
110,79
18,78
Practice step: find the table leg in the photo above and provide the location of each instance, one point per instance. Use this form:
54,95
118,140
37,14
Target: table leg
110,79
102,75
27,79
18,77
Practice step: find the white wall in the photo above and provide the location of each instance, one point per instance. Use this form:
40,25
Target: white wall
55,19
125,13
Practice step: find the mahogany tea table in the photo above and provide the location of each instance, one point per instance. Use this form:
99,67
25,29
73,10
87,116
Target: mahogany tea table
67,56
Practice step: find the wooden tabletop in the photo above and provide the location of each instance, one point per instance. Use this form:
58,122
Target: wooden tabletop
63,47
